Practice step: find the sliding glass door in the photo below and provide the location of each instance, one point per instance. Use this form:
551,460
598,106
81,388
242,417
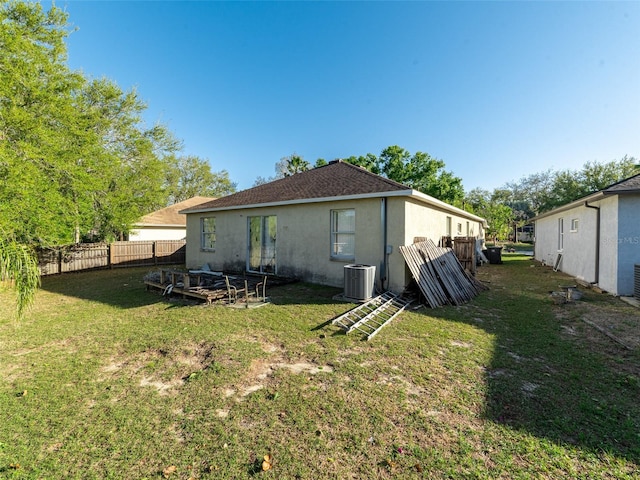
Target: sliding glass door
262,244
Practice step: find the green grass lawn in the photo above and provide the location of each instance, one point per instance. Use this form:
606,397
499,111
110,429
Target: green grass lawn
104,379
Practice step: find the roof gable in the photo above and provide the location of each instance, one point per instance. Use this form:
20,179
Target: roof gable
335,179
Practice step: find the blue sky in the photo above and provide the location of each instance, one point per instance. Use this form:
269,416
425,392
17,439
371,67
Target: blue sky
497,90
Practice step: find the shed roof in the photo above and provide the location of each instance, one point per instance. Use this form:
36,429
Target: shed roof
171,216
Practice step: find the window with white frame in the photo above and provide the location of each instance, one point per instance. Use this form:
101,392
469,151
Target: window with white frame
208,233
343,234
459,229
448,226
574,224
560,233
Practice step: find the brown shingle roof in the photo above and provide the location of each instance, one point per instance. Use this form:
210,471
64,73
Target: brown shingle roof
170,215
333,180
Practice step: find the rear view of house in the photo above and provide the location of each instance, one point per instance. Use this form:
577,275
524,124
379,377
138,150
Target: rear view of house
596,238
311,224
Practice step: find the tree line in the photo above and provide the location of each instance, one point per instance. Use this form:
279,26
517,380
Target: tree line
505,208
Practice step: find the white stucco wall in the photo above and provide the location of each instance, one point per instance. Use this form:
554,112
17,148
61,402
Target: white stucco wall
160,233
579,247
619,242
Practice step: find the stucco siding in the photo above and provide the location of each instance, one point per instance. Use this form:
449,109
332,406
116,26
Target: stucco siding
608,278
577,245
628,241
421,221
303,240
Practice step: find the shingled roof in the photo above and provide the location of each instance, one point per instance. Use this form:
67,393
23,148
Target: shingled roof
629,185
171,216
336,179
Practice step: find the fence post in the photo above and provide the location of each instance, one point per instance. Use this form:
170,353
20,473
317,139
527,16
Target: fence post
154,252
110,254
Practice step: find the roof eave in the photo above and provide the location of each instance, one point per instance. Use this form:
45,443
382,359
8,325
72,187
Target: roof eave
423,198
594,197
301,201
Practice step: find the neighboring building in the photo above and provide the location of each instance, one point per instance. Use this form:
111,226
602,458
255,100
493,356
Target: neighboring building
167,223
311,224
596,238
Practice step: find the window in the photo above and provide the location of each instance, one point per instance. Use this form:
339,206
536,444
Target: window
468,230
459,229
448,227
574,224
560,233
208,233
343,234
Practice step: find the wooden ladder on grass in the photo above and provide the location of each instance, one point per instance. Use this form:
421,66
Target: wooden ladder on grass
371,316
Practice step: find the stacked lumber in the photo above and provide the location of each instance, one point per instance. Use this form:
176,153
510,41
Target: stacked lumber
439,274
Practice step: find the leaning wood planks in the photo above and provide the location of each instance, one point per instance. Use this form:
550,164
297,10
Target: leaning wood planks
439,274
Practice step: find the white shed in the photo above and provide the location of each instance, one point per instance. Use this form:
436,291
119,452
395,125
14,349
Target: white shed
595,238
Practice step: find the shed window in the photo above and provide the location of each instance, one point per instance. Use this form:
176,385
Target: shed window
574,224
343,234
208,233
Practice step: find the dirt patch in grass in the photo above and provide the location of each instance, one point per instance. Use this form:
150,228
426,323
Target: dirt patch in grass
178,364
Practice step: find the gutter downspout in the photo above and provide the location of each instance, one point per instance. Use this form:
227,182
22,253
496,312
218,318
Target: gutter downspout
597,269
384,267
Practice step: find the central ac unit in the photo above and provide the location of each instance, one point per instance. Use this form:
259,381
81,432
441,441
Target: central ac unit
359,282
636,281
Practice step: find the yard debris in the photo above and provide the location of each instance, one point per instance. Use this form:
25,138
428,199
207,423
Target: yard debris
169,470
267,462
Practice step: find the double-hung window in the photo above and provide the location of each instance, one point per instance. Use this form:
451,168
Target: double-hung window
208,233
343,234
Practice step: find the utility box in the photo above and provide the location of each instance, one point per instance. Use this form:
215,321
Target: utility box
359,282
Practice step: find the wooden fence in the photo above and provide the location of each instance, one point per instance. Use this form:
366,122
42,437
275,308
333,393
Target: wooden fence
87,256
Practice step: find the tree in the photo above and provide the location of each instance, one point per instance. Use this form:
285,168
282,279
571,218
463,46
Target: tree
18,264
421,172
189,176
544,191
493,208
294,164
75,157
286,167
